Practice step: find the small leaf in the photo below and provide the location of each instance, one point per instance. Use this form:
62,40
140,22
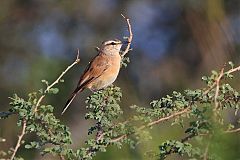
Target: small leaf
230,126
215,73
53,90
40,91
27,146
204,78
45,81
231,64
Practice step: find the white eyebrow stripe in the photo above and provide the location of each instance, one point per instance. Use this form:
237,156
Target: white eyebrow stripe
111,41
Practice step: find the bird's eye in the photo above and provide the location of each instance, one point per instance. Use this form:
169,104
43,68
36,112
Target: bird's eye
112,43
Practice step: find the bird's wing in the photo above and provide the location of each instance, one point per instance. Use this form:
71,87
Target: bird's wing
95,69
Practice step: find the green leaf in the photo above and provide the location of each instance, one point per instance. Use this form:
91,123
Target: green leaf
45,81
231,64
53,90
28,146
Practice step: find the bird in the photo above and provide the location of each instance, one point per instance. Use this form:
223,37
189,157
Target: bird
102,71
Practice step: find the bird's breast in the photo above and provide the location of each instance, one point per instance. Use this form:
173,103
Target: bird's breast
109,75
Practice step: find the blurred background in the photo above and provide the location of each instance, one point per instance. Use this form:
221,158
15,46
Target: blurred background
175,43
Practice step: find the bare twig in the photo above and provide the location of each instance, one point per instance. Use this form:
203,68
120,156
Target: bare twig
38,103
186,110
233,70
102,135
77,60
20,137
119,138
232,131
129,39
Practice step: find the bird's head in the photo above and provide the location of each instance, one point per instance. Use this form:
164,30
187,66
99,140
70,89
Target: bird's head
111,46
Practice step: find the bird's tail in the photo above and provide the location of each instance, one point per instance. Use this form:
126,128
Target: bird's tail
69,101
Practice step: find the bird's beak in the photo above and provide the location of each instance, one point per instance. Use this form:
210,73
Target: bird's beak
125,42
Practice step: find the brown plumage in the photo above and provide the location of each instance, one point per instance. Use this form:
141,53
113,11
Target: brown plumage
102,70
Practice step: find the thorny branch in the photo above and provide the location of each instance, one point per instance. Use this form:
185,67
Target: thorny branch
186,110
24,123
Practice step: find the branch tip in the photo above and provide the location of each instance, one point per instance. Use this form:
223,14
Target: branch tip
130,37
77,58
123,16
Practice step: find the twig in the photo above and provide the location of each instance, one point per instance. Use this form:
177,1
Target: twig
129,39
61,157
205,134
217,85
190,136
233,70
38,103
205,156
103,134
220,77
186,110
217,89
57,80
119,138
233,130
19,139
